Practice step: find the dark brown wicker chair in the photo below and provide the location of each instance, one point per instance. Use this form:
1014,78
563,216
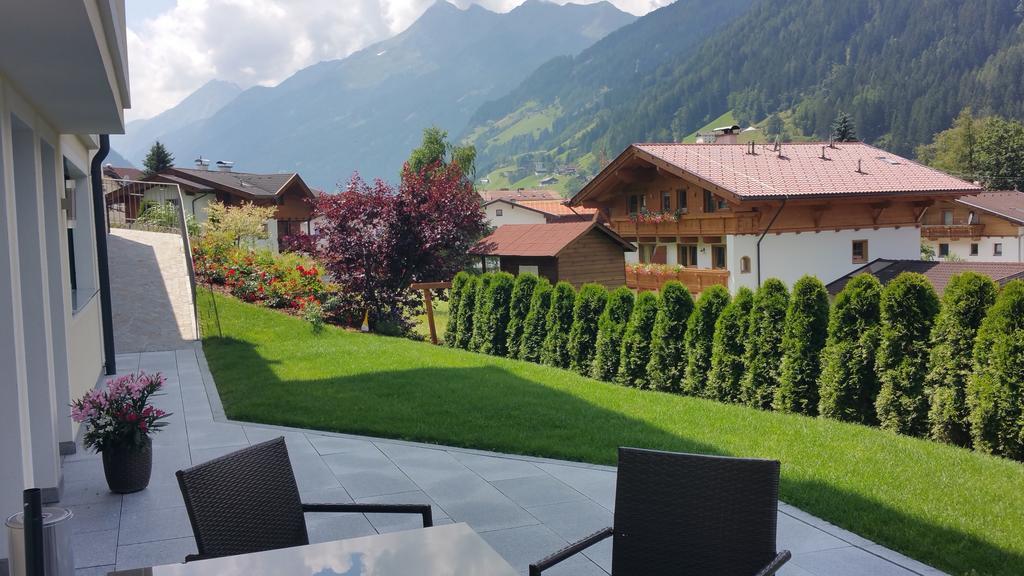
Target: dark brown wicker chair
248,501
685,514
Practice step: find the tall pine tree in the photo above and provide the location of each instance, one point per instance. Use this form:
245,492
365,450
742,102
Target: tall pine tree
157,160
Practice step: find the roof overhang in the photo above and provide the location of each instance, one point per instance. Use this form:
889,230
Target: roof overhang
68,58
1014,219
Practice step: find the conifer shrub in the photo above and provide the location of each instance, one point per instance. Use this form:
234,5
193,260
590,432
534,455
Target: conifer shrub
803,339
455,294
636,341
536,322
908,308
727,367
763,353
519,307
667,365
965,302
590,303
848,384
995,392
700,335
495,314
479,300
555,351
464,314
610,329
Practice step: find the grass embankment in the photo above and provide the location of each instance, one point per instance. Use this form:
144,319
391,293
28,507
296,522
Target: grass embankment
958,510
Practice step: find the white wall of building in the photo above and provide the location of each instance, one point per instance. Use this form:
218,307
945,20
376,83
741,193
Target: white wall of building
511,214
1011,249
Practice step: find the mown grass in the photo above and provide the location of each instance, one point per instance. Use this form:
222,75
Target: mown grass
960,511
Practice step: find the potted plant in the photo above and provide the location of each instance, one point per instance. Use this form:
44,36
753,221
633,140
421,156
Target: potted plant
119,422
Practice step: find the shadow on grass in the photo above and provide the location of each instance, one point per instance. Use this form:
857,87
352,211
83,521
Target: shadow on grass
489,407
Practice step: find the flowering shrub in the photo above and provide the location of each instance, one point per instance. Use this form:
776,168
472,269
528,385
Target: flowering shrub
120,415
656,268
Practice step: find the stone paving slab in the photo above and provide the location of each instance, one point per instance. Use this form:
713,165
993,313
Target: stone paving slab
525,507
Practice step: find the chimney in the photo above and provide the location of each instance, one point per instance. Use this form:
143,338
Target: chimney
224,165
726,134
202,163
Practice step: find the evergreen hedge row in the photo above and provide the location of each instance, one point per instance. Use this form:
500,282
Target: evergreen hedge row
555,351
464,313
483,283
763,354
667,366
636,342
495,314
610,329
803,339
590,304
535,325
699,338
727,349
454,298
519,307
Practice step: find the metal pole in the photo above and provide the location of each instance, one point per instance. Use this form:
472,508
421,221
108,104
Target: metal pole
33,519
100,227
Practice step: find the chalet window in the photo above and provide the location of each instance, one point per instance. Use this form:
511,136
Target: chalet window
646,252
745,265
974,249
972,218
687,255
498,212
681,200
524,269
636,203
718,257
947,217
666,201
997,249
709,202
860,251
943,250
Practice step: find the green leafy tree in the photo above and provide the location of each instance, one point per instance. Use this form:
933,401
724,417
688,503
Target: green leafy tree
763,353
667,366
590,303
157,159
464,315
435,150
908,308
965,302
636,341
700,335
1001,154
479,304
843,129
727,349
242,224
848,384
535,325
956,150
803,339
456,292
555,351
522,294
495,314
995,395
610,329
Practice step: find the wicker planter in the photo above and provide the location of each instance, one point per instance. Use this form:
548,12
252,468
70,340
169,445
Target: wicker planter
127,469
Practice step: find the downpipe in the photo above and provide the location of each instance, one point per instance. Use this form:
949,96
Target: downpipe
99,205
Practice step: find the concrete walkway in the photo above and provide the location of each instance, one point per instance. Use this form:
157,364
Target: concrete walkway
152,301
524,507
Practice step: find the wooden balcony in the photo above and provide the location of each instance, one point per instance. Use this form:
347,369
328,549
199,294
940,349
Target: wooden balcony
695,279
935,231
689,225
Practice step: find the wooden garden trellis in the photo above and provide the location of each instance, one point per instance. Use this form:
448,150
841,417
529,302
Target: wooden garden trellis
428,302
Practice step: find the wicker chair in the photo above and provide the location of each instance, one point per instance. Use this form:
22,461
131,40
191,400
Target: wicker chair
248,501
684,514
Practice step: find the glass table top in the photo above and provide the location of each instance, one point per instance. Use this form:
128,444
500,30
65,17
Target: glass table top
450,550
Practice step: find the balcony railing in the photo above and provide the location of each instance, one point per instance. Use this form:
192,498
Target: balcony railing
955,230
689,225
695,279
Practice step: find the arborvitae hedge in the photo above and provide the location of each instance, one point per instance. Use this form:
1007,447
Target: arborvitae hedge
700,335
483,283
610,329
519,307
763,354
495,314
451,331
909,306
636,341
848,384
590,303
535,325
727,349
965,301
803,339
995,392
464,315
667,366
555,351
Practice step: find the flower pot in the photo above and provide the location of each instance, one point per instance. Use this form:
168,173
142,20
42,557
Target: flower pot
128,468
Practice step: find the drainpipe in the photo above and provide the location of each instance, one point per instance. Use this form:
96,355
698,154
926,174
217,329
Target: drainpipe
765,233
205,194
100,227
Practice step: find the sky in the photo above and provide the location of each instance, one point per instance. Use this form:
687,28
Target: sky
176,46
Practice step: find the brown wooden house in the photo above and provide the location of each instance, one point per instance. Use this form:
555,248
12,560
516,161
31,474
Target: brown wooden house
988,227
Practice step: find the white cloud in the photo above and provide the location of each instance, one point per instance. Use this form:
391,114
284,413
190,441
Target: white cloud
252,42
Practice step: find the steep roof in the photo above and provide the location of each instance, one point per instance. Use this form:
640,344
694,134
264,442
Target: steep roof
540,240
122,173
519,194
796,170
558,208
938,273
1009,205
244,182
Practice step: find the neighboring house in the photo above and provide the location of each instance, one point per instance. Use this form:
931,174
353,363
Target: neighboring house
63,81
760,212
988,227
939,273
519,194
576,252
122,173
501,212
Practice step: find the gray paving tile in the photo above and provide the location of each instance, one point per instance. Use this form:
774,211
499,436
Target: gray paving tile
598,485
395,522
800,538
200,455
86,492
485,514
905,562
848,562
368,474
521,546
154,497
212,434
154,525
573,520
493,468
336,495
332,445
791,569
96,570
537,491
86,470
95,548
601,554
329,527
96,517
154,553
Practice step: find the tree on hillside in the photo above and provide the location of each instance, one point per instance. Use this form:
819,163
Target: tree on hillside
555,351
636,341
727,366
763,354
667,366
435,151
986,148
590,303
535,325
955,150
804,337
908,309
519,307
965,302
157,160
843,129
610,329
700,334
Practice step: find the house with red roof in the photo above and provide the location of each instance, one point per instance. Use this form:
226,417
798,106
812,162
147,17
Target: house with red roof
762,211
988,227
502,211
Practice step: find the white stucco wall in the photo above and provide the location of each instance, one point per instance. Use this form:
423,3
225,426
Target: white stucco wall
1012,249
511,214
86,351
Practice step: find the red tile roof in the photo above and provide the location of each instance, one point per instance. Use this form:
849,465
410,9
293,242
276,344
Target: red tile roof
939,273
519,194
122,173
1009,205
540,239
557,208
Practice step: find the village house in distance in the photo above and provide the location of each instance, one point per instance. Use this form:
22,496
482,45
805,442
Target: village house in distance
988,227
737,214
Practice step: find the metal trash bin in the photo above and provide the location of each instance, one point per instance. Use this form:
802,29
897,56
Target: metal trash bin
58,557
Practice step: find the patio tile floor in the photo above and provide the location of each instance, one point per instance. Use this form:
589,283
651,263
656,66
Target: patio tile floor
524,507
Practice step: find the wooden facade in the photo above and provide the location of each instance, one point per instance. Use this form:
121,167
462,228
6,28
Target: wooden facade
953,220
592,258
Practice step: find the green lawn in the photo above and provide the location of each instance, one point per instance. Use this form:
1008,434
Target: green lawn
955,509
